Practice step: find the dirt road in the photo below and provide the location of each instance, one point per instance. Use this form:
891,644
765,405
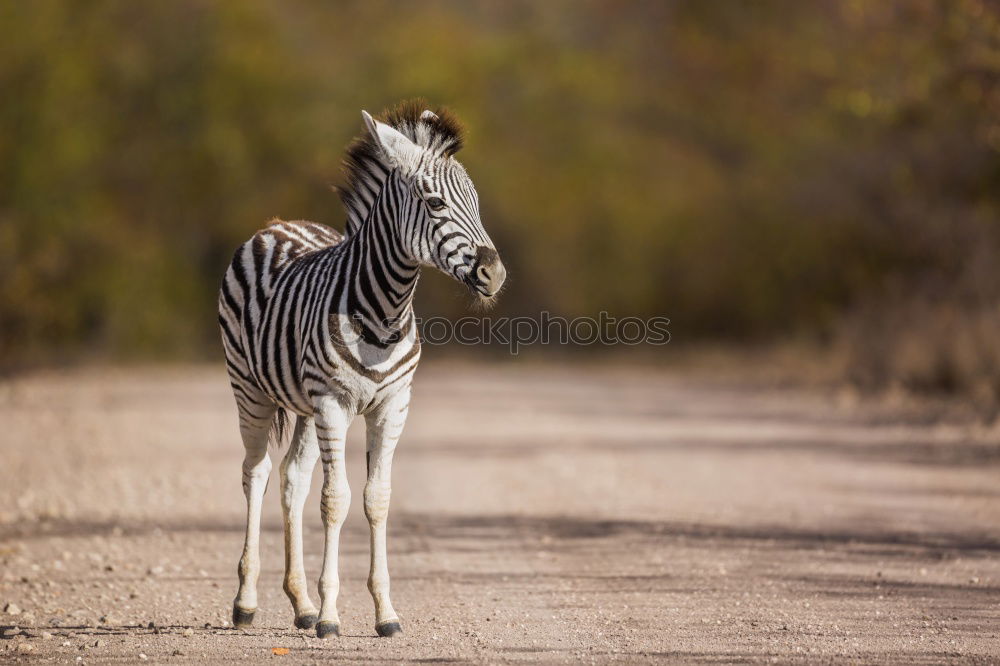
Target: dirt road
543,514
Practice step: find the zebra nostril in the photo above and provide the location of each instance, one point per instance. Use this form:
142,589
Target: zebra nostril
488,272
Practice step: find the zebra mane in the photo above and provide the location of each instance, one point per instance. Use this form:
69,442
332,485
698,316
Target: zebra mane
364,166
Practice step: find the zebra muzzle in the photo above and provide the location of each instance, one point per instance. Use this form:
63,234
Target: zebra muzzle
487,274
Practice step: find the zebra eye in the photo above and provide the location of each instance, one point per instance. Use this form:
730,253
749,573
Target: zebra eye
435,203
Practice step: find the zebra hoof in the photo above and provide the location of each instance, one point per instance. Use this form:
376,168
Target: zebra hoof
306,621
242,618
326,629
388,628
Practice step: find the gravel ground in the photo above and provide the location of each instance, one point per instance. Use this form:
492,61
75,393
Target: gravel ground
540,514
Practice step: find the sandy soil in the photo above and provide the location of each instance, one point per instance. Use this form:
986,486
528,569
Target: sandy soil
543,514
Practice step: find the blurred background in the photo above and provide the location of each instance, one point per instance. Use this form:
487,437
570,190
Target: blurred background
766,174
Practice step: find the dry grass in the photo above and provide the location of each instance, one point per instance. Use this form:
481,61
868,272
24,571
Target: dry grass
926,349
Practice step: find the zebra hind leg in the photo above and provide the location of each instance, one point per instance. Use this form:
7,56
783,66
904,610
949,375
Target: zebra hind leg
254,428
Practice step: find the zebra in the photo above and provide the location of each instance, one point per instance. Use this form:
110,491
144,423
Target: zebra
318,327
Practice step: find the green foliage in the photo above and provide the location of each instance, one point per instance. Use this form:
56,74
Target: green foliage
750,170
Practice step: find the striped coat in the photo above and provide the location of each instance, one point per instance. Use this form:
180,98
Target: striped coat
318,327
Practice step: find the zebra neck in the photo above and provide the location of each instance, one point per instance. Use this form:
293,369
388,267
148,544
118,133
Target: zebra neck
383,278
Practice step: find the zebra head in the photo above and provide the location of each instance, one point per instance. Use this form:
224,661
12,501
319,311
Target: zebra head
436,205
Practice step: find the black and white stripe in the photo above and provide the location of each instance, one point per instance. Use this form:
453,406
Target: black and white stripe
308,314
286,282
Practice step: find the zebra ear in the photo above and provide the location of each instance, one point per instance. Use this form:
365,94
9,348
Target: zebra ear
396,146
428,115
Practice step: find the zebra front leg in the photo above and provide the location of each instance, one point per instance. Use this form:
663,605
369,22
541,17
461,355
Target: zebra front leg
256,469
384,428
331,430
296,477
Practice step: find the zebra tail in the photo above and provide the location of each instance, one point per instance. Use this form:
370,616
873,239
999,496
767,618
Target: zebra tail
282,427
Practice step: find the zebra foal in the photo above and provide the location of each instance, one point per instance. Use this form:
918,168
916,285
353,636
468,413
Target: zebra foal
318,327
